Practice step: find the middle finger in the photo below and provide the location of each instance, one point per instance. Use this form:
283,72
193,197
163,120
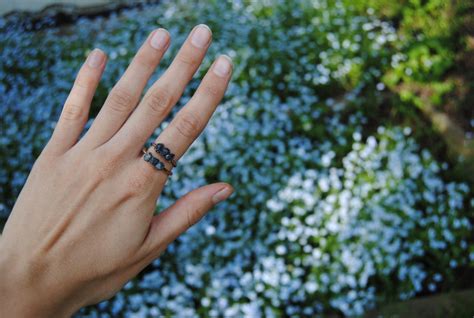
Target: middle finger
161,97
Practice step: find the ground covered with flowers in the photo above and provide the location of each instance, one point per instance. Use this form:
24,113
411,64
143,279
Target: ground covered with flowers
344,199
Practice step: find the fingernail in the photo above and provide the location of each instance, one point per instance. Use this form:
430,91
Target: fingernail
201,36
223,66
95,58
222,194
159,40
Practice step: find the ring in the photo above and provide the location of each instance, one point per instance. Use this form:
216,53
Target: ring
155,162
165,153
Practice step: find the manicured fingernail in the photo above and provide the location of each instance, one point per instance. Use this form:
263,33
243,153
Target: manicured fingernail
223,66
201,36
160,39
222,194
95,58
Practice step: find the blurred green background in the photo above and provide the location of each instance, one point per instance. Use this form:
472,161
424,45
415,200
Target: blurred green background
348,132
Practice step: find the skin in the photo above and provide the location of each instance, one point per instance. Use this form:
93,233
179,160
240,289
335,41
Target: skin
84,222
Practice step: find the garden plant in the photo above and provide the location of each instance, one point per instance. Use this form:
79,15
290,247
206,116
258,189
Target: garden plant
350,194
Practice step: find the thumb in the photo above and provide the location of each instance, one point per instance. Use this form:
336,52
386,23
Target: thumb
184,213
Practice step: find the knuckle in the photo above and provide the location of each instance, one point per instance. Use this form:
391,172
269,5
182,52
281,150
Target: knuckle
133,187
73,111
106,171
193,215
159,102
120,100
45,161
137,185
188,125
189,59
107,165
45,164
145,60
212,90
84,82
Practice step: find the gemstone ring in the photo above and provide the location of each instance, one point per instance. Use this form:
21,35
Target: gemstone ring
155,162
165,153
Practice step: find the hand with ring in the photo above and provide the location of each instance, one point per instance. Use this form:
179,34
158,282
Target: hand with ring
84,222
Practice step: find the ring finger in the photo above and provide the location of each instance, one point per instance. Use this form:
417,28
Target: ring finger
193,117
161,97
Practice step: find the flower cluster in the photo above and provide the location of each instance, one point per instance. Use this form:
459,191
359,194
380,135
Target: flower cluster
331,212
385,207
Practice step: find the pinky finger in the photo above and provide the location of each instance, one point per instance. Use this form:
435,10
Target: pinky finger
76,108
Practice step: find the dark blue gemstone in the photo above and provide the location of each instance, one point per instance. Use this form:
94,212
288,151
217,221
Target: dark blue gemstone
154,161
159,165
169,156
165,151
159,147
147,157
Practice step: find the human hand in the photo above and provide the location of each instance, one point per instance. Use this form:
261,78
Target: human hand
84,222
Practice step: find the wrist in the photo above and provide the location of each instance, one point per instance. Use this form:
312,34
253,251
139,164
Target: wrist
21,296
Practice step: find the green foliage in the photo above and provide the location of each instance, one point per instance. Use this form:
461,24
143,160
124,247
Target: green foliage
427,48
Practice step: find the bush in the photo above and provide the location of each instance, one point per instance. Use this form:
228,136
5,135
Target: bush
334,211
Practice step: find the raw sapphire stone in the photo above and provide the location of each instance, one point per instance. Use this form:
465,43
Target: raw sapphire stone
165,151
159,147
147,157
159,165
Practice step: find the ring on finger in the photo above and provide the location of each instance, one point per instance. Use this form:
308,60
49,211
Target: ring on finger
165,153
155,162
